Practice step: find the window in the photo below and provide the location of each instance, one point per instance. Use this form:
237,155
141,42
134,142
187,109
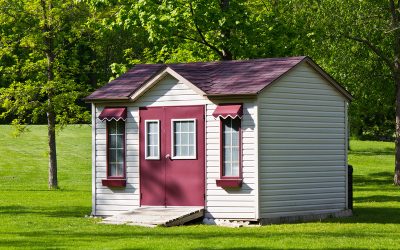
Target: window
230,147
152,141
115,154
231,173
116,148
183,139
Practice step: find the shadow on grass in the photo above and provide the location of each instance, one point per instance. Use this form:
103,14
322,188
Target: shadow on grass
59,212
377,198
380,215
373,151
380,178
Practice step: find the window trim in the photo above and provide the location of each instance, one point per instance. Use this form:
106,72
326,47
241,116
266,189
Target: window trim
115,181
173,140
146,141
230,181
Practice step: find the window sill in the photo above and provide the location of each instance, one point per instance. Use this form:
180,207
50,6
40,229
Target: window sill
229,183
114,182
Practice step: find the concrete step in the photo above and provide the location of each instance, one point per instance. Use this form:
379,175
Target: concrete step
156,216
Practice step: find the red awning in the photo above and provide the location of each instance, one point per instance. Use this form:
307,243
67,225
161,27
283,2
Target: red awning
113,113
232,110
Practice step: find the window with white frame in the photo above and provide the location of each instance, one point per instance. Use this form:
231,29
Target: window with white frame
183,139
231,147
152,141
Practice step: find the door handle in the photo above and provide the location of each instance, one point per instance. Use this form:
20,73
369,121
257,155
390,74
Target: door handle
167,156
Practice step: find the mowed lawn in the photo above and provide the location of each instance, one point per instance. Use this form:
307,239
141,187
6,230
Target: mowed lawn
33,217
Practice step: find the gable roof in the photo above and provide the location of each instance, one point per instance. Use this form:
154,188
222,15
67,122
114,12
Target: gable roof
223,78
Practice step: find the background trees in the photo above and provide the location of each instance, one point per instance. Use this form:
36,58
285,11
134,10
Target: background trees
53,53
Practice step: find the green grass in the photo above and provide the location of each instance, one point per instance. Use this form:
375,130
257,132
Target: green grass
33,217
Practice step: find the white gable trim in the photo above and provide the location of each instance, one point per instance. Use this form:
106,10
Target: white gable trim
320,72
158,77
329,78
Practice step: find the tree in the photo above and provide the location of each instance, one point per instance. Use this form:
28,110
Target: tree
41,39
211,30
375,25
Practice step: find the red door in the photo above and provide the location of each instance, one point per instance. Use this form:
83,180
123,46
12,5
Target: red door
172,156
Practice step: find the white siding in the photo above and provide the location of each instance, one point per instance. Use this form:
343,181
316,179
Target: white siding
302,152
220,203
232,203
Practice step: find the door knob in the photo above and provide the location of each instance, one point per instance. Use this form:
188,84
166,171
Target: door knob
167,156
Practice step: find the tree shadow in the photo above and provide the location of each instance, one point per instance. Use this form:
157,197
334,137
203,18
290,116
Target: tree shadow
376,215
380,178
377,198
59,211
372,151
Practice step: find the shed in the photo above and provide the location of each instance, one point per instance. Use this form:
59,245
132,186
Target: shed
258,140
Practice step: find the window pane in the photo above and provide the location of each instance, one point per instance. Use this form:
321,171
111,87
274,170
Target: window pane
119,154
112,156
112,141
227,168
236,124
120,141
120,168
231,147
176,151
112,127
184,138
227,154
184,150
235,169
112,168
191,150
235,138
120,127
154,151
152,139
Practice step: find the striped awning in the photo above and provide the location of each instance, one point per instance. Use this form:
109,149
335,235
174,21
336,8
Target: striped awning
116,113
229,110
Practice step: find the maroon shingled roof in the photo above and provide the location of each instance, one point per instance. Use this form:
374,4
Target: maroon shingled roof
247,77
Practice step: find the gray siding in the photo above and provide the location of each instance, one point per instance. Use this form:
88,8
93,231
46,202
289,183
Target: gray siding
302,146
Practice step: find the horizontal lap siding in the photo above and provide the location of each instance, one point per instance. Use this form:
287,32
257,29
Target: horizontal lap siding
109,201
302,150
220,203
231,203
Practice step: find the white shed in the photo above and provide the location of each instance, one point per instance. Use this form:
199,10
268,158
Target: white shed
258,140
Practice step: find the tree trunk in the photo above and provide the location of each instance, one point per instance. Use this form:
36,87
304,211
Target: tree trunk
394,8
51,121
51,133
48,40
397,141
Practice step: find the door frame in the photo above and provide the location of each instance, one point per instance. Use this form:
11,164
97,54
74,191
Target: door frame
163,144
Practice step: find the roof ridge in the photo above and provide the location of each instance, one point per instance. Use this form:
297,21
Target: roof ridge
208,63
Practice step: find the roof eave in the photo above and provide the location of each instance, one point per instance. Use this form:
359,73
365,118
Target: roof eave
114,99
330,79
232,95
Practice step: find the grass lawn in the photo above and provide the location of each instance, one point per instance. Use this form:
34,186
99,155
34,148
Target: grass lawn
33,217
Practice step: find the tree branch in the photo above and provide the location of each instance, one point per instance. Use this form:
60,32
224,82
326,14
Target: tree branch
203,39
393,11
372,47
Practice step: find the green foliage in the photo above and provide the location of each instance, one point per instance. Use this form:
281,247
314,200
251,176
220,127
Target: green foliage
98,40
26,93
32,217
352,38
